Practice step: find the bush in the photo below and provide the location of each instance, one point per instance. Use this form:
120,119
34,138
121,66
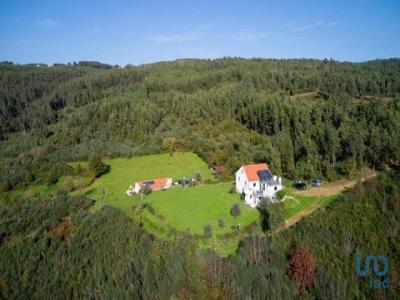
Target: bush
69,184
197,177
97,166
235,227
52,176
344,167
221,223
280,194
151,209
4,187
207,231
235,210
232,189
78,170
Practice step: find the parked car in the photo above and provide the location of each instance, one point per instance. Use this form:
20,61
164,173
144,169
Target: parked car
316,182
300,185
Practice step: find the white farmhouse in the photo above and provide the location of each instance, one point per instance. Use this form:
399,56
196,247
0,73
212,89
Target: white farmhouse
256,182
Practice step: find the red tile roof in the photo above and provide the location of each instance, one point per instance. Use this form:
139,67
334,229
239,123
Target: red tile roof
251,171
158,184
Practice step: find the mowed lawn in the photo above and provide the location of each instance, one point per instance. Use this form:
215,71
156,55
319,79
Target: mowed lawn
111,188
191,208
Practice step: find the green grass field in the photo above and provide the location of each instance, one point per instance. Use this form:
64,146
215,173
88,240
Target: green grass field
111,188
184,209
190,208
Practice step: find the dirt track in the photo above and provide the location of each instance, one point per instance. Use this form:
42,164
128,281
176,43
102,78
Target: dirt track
334,188
328,189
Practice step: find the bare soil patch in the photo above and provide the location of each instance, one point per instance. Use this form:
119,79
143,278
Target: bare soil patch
333,188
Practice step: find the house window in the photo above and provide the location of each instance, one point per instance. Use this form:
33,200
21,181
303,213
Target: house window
251,196
275,188
254,184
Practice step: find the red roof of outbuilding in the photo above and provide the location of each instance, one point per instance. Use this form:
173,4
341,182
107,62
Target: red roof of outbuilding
158,184
251,171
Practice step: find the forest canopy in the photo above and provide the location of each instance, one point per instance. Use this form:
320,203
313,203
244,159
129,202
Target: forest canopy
306,118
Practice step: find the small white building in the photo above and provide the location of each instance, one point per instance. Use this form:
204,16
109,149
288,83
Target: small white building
255,182
152,184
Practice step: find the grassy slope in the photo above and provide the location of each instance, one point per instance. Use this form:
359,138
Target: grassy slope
125,171
192,208
296,203
182,209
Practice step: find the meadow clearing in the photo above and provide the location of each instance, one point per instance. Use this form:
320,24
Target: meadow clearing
186,209
183,209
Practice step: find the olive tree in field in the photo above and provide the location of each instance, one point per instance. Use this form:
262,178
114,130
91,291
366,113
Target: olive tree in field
235,210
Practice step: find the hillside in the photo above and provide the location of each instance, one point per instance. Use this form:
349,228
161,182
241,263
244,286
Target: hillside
227,111
74,137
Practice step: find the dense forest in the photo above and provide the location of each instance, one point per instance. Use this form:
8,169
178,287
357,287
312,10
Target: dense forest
54,246
306,118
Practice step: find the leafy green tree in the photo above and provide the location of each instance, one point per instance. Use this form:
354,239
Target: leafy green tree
97,166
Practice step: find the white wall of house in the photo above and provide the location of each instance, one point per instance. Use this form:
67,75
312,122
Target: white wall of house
241,180
136,188
168,183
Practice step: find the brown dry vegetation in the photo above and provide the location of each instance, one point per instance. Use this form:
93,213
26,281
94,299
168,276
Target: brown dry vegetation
62,230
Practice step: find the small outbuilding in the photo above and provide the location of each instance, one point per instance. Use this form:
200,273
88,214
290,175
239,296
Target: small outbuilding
152,184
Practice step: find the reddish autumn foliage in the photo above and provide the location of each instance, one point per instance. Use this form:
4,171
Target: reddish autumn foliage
302,267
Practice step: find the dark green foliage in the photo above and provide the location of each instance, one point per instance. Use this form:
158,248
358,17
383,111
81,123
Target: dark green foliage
207,231
235,210
305,118
4,187
97,166
107,253
280,194
228,111
362,221
264,214
67,252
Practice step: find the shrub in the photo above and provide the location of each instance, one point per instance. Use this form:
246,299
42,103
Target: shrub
4,187
207,231
221,223
69,184
78,169
197,177
232,189
344,167
151,209
235,227
280,194
97,166
235,210
52,176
